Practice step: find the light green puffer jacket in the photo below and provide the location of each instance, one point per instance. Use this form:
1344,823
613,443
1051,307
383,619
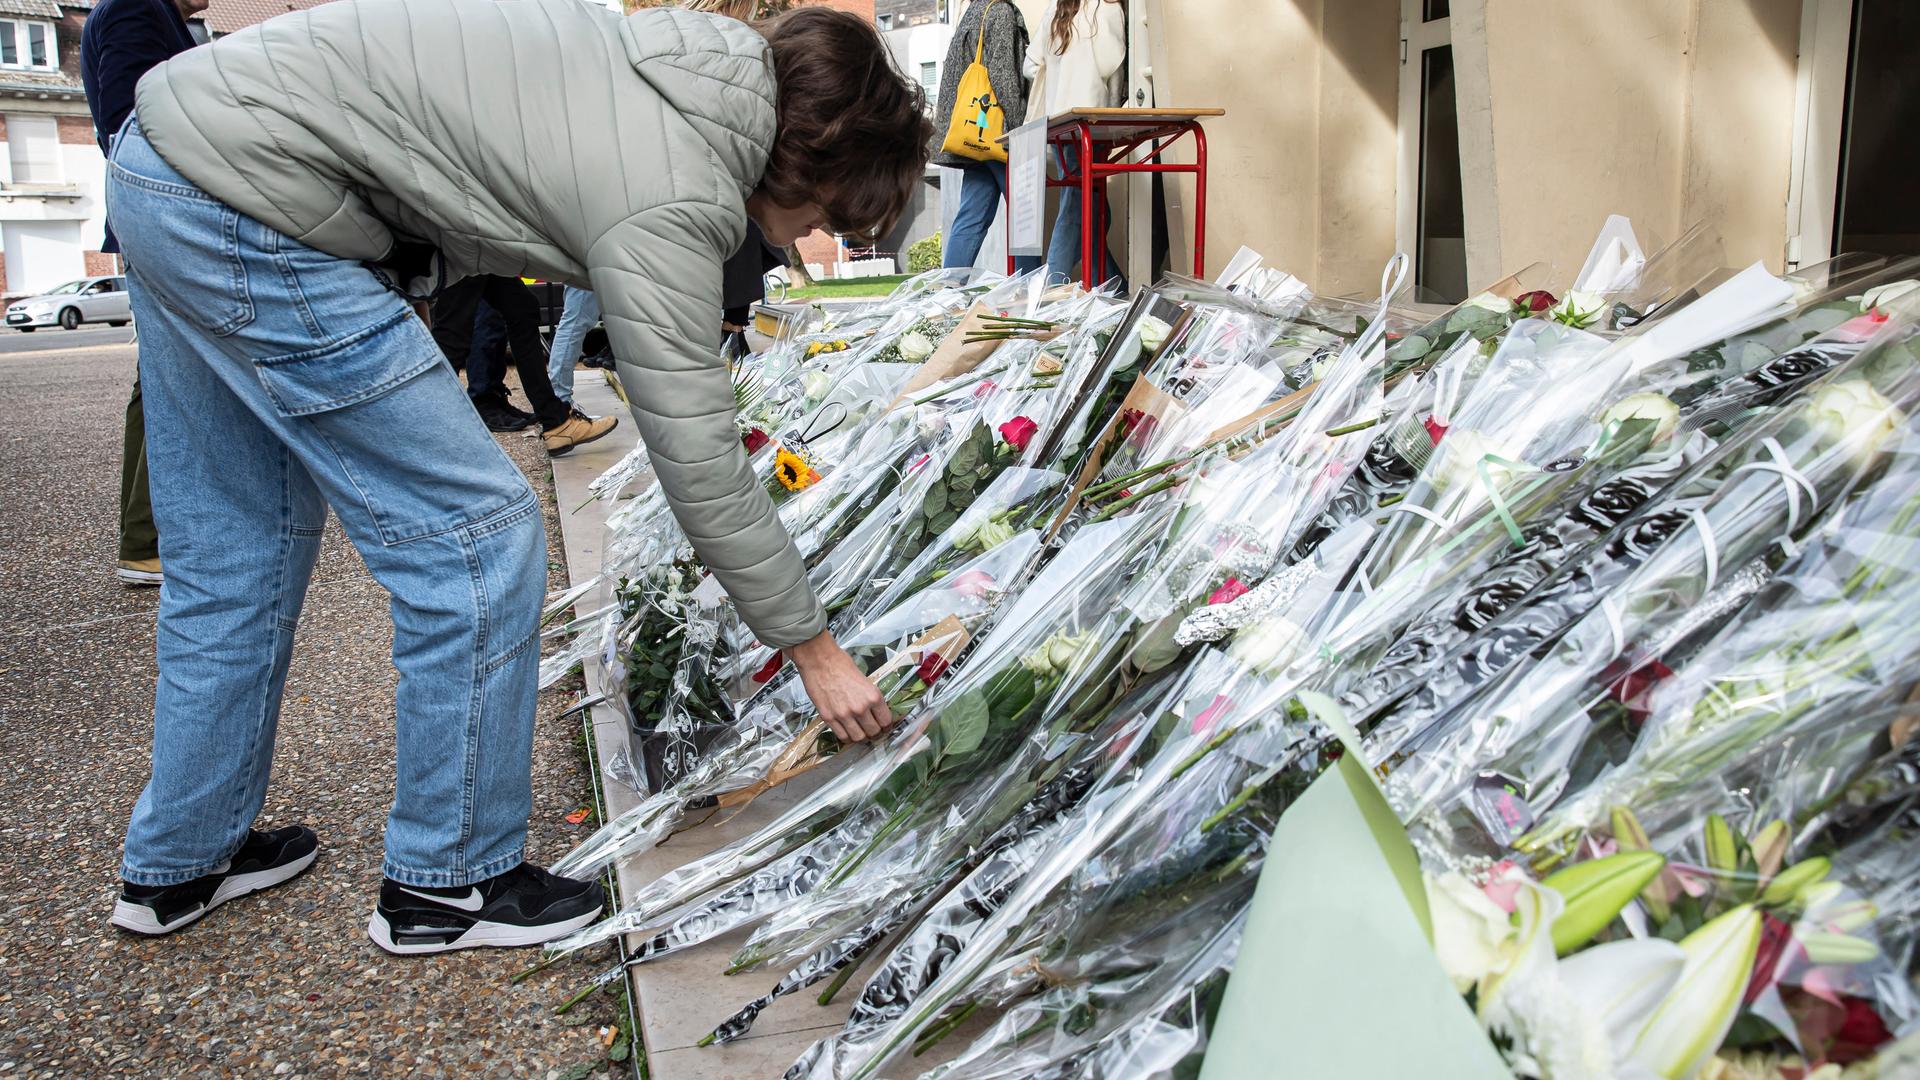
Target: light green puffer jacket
542,138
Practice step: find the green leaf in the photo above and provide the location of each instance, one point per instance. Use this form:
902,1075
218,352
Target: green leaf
936,500
964,723
620,1050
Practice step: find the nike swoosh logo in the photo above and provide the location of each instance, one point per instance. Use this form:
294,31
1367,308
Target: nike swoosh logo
469,902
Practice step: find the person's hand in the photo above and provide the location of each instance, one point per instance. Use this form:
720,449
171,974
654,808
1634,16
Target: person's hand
846,699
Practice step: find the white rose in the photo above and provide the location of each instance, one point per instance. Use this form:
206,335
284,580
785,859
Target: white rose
1880,295
1153,334
1268,646
1471,936
1579,309
814,384
1646,406
1852,413
914,347
1486,301
1464,450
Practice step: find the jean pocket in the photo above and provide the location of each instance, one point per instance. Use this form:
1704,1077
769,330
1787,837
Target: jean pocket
183,247
356,368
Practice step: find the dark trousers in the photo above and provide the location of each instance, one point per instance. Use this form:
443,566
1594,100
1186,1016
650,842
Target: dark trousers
138,538
454,327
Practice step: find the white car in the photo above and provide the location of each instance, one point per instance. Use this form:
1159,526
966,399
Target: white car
89,300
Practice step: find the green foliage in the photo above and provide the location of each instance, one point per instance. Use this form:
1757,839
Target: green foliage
924,255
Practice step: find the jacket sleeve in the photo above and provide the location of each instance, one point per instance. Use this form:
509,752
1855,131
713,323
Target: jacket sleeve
1109,39
657,275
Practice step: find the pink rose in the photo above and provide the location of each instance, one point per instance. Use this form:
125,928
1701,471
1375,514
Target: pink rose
1227,593
974,583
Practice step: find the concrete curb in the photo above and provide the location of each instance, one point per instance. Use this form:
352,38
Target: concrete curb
681,997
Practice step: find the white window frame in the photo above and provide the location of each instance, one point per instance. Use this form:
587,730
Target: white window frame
1819,115
22,48
1416,37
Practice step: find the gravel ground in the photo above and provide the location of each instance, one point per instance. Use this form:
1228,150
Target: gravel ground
284,984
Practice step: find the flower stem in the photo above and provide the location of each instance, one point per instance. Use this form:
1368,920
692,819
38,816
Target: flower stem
1114,508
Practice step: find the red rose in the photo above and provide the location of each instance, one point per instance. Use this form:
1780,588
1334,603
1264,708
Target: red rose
770,668
1228,592
1435,430
987,386
931,668
1631,688
1537,300
754,439
1861,1032
1018,432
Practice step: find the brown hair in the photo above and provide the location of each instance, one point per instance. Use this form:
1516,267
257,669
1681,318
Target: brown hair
1062,32
853,131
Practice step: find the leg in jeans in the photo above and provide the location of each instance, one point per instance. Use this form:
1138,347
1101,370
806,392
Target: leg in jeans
338,394
983,191
138,542
1063,248
979,197
517,305
581,312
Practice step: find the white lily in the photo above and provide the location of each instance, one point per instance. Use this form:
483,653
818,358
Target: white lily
1573,1018
1689,1025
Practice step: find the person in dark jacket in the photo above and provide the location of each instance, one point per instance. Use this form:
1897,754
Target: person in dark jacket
984,184
743,284
123,40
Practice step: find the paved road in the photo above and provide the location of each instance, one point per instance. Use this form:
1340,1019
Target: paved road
54,340
285,984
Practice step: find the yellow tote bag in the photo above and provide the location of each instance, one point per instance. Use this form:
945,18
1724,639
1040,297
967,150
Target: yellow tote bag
978,121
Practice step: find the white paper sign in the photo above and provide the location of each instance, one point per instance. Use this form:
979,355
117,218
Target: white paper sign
1027,188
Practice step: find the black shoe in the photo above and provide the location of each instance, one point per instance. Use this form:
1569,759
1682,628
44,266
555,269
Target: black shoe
524,906
265,860
500,416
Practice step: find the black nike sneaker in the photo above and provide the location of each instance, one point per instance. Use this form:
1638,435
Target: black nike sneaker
524,906
266,859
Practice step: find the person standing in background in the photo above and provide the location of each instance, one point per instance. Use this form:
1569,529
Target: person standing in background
983,184
1077,64
743,283
577,316
562,426
121,41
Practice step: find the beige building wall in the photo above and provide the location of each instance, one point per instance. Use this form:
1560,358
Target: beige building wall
1668,111
1302,166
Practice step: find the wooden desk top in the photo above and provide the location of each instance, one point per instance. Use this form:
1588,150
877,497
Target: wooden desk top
1147,116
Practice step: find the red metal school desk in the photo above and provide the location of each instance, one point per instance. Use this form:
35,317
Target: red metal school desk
1104,138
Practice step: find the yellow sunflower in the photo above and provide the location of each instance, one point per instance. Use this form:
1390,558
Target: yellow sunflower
792,471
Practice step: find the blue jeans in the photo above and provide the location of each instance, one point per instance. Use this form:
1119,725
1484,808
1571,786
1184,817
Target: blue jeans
280,381
983,188
1063,247
581,312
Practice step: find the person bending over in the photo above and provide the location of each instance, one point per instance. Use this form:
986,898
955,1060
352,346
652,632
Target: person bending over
260,186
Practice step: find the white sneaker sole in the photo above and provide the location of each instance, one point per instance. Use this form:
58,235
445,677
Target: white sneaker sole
138,577
480,935
140,918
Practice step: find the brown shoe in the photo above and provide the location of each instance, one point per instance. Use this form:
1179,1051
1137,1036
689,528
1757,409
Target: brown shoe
577,429
138,572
